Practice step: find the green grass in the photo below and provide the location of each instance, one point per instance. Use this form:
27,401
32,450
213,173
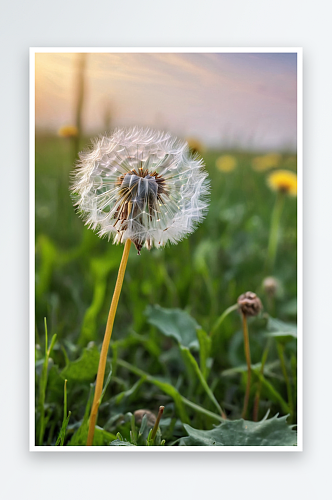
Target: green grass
202,276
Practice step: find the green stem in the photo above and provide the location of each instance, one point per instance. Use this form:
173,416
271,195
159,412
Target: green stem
43,384
202,410
222,317
247,353
274,395
274,233
65,401
259,388
280,349
162,386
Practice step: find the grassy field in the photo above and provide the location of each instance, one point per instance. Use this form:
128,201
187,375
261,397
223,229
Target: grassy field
165,348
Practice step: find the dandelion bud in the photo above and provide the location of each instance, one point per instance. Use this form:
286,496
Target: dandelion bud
249,304
151,418
271,286
141,185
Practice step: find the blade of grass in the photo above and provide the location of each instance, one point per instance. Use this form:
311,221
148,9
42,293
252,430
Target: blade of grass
222,317
179,400
190,358
273,393
43,384
62,434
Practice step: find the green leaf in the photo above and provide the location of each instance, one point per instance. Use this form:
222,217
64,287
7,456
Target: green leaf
164,386
283,332
129,392
89,325
84,368
174,323
62,433
100,269
100,438
204,350
49,253
117,442
193,363
272,432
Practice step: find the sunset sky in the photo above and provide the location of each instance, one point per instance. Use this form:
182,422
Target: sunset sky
225,100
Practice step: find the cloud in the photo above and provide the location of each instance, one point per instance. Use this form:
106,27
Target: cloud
200,93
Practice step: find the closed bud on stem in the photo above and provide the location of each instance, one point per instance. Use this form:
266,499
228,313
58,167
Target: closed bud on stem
271,286
249,304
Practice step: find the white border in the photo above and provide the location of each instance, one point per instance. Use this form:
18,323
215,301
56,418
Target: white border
36,50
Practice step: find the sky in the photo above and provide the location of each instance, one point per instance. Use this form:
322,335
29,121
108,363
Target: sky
243,100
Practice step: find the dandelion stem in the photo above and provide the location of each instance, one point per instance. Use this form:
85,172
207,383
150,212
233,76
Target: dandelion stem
247,353
106,341
274,232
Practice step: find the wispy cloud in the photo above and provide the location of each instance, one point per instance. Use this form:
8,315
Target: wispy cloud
209,95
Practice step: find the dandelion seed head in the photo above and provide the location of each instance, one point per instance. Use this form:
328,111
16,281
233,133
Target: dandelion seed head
271,285
142,185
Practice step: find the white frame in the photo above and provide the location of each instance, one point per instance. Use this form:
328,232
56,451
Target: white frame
125,449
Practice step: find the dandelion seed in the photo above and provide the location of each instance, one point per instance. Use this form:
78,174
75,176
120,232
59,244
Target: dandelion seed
142,185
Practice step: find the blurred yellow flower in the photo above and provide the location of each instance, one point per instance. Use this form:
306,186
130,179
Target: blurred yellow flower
266,162
68,131
283,181
195,145
226,163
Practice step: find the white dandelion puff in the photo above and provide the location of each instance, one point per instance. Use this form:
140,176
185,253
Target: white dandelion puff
142,185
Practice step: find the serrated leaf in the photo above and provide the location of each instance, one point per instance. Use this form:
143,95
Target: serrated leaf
84,368
117,442
272,432
174,323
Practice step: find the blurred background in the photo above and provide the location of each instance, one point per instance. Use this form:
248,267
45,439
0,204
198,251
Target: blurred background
225,100
238,111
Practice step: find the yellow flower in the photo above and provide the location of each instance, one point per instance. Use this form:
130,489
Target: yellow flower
68,131
226,163
266,162
195,145
283,181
